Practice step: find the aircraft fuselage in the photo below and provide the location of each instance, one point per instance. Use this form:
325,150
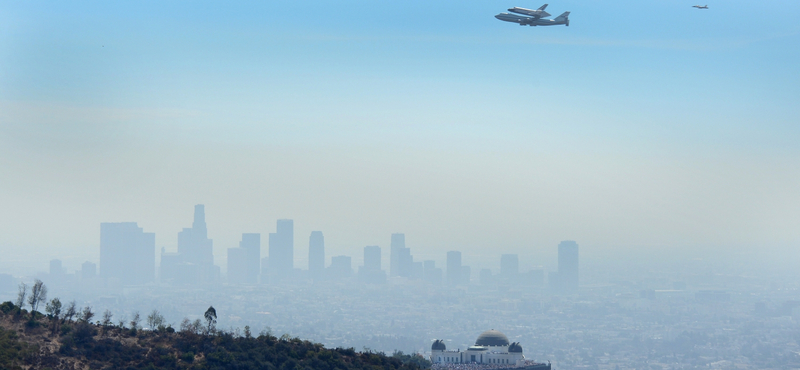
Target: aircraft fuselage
528,21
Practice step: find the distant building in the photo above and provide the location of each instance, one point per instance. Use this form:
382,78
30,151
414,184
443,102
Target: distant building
400,261
127,253
431,273
491,348
340,267
194,261
244,262
56,269
281,250
567,277
316,255
88,271
371,272
454,273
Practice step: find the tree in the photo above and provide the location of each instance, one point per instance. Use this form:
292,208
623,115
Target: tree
72,310
121,322
211,317
186,326
106,318
38,294
197,326
247,333
135,320
23,292
155,320
53,308
86,314
106,322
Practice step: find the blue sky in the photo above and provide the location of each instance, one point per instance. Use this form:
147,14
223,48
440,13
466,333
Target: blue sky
643,123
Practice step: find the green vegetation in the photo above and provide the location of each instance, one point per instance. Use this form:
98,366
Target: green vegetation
80,343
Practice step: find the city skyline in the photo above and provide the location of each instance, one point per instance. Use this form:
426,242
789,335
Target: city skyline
640,134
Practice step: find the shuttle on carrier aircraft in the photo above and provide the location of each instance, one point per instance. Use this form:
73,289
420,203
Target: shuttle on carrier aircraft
529,17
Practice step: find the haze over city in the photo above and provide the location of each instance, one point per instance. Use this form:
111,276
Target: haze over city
661,138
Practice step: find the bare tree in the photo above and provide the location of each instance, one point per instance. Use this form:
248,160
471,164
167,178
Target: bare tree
121,322
106,322
72,310
155,320
211,318
86,314
197,326
38,294
23,292
106,318
186,325
135,321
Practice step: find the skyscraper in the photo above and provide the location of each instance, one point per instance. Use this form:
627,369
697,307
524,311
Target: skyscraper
454,271
401,263
371,271
316,255
195,250
398,243
127,253
244,261
567,278
281,250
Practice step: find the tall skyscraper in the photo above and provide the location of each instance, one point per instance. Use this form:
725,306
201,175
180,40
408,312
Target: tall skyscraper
195,251
398,243
454,272
567,278
281,250
509,266
127,253
316,255
401,263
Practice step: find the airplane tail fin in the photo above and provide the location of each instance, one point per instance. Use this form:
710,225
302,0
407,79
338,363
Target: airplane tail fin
542,7
564,17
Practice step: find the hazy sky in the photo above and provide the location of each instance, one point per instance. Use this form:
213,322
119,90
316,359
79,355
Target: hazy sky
645,124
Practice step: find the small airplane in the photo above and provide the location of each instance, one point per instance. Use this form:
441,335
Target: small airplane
534,17
700,7
538,13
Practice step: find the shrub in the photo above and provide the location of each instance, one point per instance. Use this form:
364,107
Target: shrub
7,307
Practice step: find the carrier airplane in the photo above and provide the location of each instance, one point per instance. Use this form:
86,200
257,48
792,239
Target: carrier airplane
533,20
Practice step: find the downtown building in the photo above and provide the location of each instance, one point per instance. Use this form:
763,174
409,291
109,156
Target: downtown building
193,264
127,254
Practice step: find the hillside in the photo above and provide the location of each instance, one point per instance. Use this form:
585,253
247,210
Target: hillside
36,341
